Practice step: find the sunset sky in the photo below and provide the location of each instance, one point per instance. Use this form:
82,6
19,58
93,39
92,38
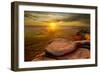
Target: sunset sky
32,18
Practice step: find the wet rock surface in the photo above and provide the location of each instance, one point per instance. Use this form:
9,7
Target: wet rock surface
80,53
61,49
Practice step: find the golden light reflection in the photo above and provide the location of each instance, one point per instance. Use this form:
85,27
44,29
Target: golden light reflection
52,26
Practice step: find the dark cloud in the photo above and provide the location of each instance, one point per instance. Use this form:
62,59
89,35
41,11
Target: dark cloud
57,17
79,17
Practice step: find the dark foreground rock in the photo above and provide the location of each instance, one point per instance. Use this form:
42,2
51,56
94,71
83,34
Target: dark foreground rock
60,49
80,53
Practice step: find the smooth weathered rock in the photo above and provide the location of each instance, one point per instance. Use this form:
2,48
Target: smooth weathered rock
39,56
60,46
80,53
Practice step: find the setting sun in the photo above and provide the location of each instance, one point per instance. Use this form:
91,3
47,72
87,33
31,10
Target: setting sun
52,26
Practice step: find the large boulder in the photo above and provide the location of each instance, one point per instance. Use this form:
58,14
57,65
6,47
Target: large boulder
60,46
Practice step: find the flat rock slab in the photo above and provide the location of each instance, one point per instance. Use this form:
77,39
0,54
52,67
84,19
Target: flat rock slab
80,53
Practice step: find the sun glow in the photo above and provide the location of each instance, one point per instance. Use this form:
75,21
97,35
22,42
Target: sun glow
52,26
